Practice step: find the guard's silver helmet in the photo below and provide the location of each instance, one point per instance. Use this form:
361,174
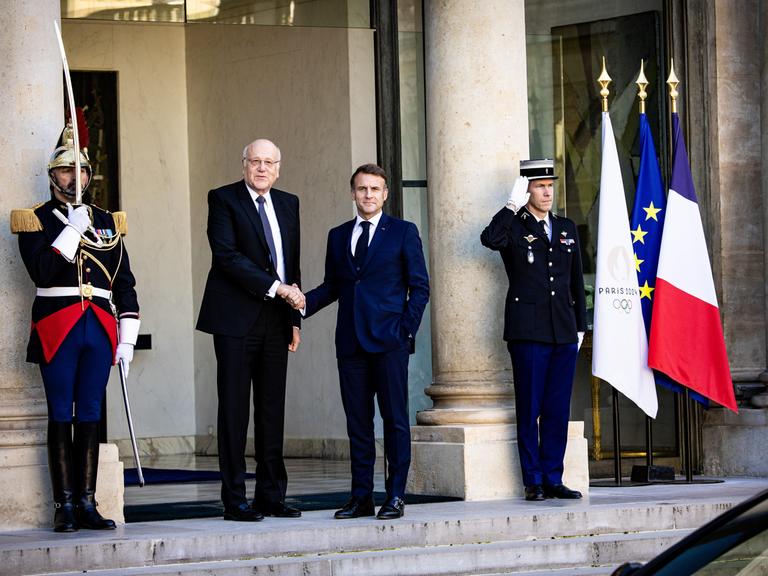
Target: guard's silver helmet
64,156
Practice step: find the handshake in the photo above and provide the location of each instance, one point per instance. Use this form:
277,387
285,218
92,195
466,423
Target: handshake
293,295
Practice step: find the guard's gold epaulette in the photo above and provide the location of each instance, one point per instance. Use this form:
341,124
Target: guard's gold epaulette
25,220
121,222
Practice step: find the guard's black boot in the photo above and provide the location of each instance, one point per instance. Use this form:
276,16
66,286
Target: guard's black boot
60,468
87,463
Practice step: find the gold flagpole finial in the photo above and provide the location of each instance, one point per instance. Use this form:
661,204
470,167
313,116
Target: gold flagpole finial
642,83
672,82
604,80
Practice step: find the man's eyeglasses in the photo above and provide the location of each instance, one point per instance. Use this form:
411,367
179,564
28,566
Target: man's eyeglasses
256,162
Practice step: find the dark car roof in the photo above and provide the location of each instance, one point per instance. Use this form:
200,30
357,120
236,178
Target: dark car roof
711,541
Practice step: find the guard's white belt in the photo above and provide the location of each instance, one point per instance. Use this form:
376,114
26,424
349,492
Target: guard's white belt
87,291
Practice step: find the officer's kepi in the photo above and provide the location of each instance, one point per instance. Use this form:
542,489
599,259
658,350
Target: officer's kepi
538,169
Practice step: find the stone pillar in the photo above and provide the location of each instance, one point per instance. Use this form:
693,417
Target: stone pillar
731,442
763,399
477,132
31,116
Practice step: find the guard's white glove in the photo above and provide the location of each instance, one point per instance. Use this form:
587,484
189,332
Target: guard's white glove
68,240
79,218
519,195
124,352
580,335
129,333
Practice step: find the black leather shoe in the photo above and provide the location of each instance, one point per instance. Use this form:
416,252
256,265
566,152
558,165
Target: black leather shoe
393,508
243,513
277,510
534,493
561,491
356,508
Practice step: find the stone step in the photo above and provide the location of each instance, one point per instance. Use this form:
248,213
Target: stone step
597,531
580,571
578,555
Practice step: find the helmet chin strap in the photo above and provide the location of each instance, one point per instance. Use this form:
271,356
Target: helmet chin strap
70,190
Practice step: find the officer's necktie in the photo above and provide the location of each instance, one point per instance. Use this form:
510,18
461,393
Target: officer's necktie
361,248
543,224
267,230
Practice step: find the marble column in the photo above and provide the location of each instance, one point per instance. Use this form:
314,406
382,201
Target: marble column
731,443
477,132
31,116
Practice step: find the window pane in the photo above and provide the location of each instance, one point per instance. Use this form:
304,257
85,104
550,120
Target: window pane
125,10
322,13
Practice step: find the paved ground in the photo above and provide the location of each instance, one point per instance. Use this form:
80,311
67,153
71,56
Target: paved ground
732,489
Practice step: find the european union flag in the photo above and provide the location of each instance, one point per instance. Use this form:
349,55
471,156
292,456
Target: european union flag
647,225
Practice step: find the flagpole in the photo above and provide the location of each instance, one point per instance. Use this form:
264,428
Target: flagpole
642,84
673,81
604,80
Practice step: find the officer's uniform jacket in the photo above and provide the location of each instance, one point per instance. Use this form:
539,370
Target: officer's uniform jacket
106,268
545,301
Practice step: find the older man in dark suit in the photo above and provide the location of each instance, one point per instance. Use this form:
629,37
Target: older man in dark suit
374,267
544,322
253,230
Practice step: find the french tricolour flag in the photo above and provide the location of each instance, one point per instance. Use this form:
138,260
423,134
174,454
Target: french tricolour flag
687,340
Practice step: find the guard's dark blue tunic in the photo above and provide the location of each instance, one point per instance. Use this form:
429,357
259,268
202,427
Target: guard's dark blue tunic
73,337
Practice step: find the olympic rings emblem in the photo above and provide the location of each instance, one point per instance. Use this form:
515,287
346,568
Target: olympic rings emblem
623,304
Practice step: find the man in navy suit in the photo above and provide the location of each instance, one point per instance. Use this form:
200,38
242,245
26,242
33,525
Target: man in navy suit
374,267
253,230
544,322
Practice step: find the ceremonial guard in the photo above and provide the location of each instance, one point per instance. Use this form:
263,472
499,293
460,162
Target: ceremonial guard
85,317
544,322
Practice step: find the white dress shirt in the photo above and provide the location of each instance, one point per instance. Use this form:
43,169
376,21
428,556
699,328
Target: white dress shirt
358,230
276,238
547,226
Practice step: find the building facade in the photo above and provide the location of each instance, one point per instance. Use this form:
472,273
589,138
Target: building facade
449,96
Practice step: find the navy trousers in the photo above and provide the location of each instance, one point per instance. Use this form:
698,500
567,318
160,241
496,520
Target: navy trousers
78,373
385,376
543,383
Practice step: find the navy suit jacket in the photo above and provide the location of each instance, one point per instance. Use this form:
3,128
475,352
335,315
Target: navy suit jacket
381,305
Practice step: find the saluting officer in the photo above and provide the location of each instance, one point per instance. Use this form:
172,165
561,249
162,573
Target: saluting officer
544,322
85,317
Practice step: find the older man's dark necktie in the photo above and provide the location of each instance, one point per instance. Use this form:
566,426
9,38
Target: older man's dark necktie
261,201
361,248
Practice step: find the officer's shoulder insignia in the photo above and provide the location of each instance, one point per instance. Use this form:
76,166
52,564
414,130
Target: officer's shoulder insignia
121,222
524,215
25,220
